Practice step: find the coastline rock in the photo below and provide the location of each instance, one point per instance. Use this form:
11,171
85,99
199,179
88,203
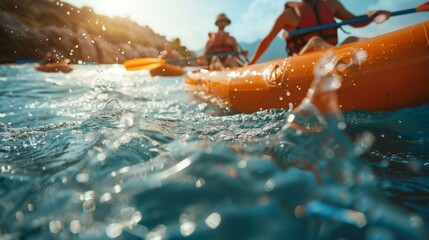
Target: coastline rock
31,28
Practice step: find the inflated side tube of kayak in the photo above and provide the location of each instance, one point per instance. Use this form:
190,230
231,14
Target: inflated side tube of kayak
394,75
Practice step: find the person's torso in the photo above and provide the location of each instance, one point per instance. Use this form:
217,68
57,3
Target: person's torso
221,42
309,17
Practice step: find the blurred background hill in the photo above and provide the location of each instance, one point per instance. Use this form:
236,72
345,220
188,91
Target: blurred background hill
276,50
30,28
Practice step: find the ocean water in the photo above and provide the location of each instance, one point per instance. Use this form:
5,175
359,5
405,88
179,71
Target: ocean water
102,153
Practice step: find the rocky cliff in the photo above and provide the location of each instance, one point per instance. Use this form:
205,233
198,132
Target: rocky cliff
30,28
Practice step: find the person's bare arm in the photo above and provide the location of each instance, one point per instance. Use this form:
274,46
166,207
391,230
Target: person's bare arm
208,45
342,13
284,19
236,46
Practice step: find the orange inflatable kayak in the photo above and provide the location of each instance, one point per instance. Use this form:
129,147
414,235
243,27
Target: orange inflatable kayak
54,67
394,75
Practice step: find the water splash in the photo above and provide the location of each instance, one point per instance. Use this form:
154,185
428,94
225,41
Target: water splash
134,163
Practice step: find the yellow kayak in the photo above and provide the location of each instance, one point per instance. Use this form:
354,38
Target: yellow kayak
167,70
155,66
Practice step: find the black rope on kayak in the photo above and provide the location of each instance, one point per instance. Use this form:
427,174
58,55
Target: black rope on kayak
344,31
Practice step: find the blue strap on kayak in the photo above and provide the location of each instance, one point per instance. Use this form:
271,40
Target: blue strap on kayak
343,30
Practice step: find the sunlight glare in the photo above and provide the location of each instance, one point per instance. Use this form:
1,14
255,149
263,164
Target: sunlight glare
112,7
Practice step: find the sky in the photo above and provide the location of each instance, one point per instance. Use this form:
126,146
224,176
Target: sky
191,20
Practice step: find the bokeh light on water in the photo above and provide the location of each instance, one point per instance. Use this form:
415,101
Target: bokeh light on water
104,153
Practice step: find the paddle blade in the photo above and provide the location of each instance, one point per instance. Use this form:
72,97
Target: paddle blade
142,63
423,8
144,67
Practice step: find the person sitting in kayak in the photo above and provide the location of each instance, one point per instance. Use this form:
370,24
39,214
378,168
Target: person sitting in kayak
168,53
50,57
53,57
221,42
310,13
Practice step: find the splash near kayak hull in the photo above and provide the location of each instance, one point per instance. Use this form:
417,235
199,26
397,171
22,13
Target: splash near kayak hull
54,67
167,70
394,75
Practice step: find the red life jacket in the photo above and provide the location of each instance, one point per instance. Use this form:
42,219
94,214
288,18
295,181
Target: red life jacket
310,18
220,44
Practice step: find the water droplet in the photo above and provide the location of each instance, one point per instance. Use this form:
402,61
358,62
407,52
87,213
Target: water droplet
89,205
242,164
416,221
55,226
300,211
199,183
213,220
117,188
75,226
114,230
105,197
101,157
291,118
19,216
187,228
341,125
30,207
82,177
270,185
136,217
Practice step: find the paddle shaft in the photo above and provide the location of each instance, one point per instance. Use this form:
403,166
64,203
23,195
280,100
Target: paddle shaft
222,54
346,22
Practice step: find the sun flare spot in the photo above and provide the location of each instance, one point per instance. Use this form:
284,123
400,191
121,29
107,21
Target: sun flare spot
113,8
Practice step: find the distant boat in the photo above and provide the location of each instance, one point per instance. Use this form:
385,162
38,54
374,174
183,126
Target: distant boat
54,67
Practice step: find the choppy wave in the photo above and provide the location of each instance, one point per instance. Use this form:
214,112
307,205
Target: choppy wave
104,153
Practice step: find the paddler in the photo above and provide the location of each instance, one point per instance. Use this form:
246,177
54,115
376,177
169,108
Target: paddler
50,57
169,53
53,57
311,13
221,42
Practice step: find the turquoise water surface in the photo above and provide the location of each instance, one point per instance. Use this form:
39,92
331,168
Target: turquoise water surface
104,153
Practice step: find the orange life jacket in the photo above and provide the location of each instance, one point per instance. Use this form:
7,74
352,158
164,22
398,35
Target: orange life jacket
310,18
220,44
